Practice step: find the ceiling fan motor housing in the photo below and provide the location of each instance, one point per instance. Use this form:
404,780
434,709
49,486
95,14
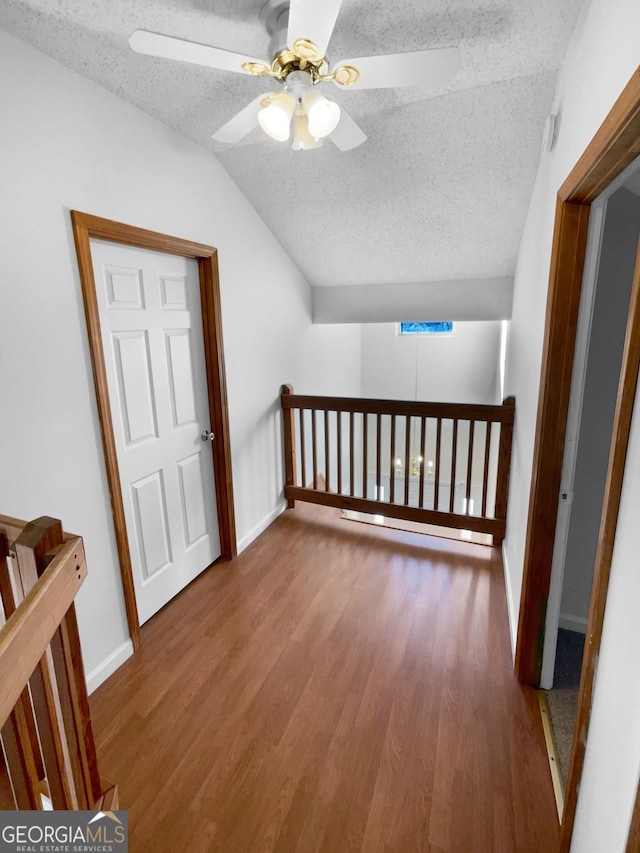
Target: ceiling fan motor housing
298,83
275,19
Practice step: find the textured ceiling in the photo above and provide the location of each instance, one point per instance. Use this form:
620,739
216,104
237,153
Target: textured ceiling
441,188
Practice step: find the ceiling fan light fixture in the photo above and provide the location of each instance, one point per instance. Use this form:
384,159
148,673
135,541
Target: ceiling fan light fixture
322,113
275,117
302,138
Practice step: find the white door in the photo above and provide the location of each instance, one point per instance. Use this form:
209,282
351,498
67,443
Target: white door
151,325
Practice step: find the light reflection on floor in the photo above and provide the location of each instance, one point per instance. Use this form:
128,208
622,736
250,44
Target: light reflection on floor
418,527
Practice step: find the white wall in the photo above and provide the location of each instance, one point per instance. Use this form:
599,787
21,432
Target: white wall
68,144
465,299
412,367
601,59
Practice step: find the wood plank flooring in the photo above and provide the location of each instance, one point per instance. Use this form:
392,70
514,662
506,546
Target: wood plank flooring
335,688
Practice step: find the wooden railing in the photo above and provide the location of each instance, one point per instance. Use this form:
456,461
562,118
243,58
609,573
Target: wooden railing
47,738
443,464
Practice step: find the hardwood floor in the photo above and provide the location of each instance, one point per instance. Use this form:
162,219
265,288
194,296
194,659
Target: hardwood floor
335,688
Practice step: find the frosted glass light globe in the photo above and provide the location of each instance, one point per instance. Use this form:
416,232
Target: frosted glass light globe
323,114
275,117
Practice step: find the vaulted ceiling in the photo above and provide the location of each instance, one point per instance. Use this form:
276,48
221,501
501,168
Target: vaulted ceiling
433,202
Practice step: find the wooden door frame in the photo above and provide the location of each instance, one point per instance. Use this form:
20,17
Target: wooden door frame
85,227
615,145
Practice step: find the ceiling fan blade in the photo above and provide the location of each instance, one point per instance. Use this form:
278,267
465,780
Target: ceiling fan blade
169,47
241,124
347,134
312,20
416,68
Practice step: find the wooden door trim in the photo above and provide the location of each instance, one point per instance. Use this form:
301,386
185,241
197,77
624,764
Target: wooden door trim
567,264
615,145
85,227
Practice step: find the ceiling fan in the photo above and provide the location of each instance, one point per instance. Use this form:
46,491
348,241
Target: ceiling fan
298,110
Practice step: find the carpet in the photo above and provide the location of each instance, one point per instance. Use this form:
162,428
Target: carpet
563,699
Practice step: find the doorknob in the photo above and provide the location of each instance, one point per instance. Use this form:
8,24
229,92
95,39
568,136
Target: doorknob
205,435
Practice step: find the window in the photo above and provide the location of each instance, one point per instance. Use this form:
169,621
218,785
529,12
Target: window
441,328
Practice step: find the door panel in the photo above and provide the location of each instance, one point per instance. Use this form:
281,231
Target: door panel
151,325
179,364
135,386
191,491
151,525
124,287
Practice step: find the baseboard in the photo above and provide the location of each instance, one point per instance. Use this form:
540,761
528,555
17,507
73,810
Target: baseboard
513,616
100,674
573,623
260,527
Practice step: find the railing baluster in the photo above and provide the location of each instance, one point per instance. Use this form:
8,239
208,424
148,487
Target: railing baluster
339,440
407,458
20,758
423,439
470,466
454,454
365,441
327,453
485,470
67,659
436,485
303,450
392,460
314,448
55,748
352,473
378,452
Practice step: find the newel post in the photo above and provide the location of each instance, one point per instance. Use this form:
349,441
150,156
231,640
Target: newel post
504,462
289,423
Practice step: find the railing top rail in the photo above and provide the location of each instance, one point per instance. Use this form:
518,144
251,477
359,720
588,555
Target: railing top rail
463,411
